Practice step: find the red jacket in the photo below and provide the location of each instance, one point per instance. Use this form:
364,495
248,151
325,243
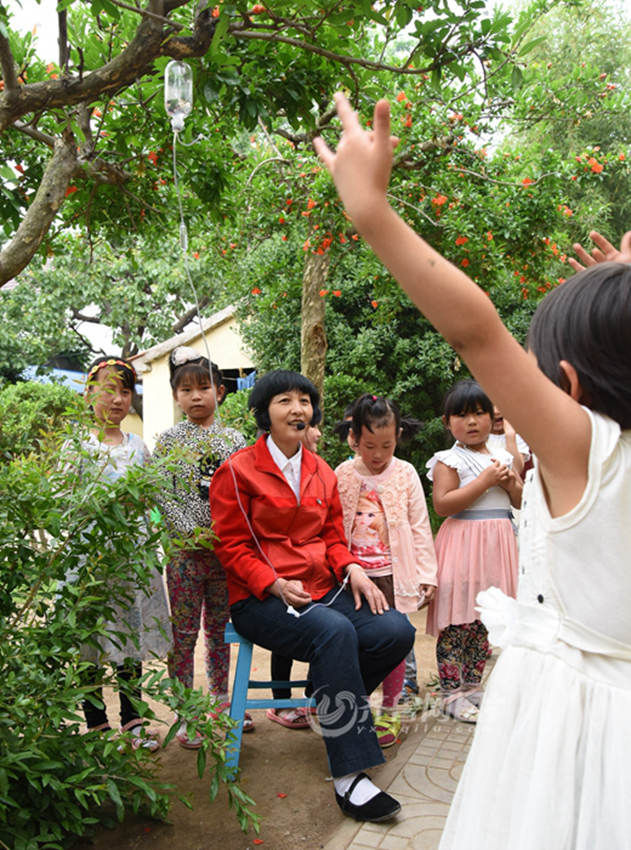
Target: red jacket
302,540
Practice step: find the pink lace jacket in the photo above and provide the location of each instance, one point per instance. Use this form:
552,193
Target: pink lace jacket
411,542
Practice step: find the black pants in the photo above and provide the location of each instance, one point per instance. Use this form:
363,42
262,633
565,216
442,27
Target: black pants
349,653
128,676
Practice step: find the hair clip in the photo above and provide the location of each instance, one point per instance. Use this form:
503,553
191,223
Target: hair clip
184,354
112,361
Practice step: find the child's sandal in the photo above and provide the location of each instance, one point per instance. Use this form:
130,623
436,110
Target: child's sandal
142,737
181,736
459,707
387,727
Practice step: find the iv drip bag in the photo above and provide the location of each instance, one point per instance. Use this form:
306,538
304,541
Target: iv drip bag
178,92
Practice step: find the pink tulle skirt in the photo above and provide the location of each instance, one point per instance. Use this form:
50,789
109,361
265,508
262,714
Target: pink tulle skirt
473,555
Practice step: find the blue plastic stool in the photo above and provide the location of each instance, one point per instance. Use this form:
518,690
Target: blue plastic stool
240,701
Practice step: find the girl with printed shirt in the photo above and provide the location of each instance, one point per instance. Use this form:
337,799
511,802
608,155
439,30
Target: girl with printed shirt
195,578
387,526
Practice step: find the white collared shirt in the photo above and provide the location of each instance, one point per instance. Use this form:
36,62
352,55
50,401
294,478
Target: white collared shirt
289,466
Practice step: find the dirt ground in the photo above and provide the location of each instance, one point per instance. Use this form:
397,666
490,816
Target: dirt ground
285,771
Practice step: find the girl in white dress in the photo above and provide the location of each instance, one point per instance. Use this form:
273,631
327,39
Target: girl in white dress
550,764
474,487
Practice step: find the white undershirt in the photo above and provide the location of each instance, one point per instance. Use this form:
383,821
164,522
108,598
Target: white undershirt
289,466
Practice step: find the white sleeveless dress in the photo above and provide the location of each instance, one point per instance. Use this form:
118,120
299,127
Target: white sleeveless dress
550,764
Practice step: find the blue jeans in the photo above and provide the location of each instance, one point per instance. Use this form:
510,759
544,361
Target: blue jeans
349,653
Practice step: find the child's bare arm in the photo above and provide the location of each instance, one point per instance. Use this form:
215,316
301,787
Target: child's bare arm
449,498
514,486
460,310
511,446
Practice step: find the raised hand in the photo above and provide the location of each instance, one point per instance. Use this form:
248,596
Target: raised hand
604,252
362,163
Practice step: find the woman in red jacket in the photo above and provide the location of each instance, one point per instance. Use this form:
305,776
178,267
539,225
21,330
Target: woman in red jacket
278,518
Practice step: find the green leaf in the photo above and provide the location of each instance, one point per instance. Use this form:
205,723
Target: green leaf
530,45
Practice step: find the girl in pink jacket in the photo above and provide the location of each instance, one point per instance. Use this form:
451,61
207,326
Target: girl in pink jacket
387,526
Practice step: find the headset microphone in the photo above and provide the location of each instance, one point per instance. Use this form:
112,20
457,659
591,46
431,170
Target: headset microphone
300,426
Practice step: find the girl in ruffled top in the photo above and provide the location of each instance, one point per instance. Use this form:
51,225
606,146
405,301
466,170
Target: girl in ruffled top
474,487
387,526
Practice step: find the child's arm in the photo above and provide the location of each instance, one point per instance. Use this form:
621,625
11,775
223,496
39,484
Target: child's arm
418,519
511,446
449,498
556,428
514,487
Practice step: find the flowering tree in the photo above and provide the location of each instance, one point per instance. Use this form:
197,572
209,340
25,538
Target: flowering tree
83,134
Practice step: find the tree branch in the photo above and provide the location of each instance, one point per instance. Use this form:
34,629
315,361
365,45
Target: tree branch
191,314
7,63
149,42
20,250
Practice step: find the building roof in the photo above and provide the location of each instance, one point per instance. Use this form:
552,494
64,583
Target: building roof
143,359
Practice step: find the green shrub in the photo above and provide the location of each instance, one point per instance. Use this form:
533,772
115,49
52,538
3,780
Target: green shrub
57,784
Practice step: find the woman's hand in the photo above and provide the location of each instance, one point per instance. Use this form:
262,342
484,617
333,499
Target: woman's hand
361,585
290,591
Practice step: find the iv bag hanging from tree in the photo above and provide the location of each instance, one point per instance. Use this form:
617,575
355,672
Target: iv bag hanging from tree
178,93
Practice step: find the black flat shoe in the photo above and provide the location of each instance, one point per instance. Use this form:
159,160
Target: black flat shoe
379,808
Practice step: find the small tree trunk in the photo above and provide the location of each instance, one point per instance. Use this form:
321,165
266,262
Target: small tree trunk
313,343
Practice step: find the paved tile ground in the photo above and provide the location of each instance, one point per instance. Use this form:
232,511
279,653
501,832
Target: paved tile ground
429,768
423,777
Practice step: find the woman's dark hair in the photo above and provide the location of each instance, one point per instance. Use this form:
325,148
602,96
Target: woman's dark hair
587,321
197,370
465,397
277,382
124,370
371,411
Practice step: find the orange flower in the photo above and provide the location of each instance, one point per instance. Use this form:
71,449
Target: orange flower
401,96
19,168
597,167
622,157
461,240
70,190
464,263
152,156
439,200
489,235
323,292
215,12
196,255
408,120
374,304
310,204
527,181
337,292
281,220
257,10
284,237
256,291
